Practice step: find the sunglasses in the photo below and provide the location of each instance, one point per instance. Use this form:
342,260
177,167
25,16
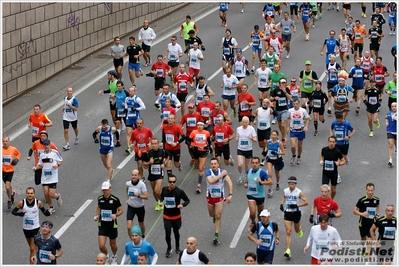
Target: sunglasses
172,182
293,81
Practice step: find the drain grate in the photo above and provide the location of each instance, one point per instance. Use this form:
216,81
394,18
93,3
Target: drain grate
77,68
103,56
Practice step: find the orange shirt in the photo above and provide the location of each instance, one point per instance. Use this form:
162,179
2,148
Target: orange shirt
38,148
172,133
142,138
200,139
9,154
245,109
358,34
35,123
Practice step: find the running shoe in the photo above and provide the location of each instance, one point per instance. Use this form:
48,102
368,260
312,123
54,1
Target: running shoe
300,234
128,150
240,178
339,179
337,9
235,114
150,61
242,10
114,259
329,111
51,210
157,205
347,160
377,124
253,69
66,147
262,162
298,161
284,143
13,196
288,56
59,200
313,26
118,144
76,141
287,253
270,192
177,250
307,37
180,167
292,160
141,72
146,64
250,227
316,133
371,134
198,190
143,180
9,204
357,110
231,161
216,240
168,252
273,121
277,187
390,164
192,162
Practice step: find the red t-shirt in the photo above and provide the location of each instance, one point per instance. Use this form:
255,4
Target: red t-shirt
161,69
172,134
142,138
191,121
214,113
245,109
205,110
221,132
166,112
182,81
325,206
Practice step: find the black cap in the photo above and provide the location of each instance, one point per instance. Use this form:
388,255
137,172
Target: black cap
256,27
191,32
188,17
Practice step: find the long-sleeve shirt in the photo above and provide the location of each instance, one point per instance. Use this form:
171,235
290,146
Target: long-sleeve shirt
172,199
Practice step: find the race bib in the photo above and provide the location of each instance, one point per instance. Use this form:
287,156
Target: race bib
359,73
266,240
307,84
191,122
156,169
328,165
35,130
170,138
317,103
219,137
7,160
29,221
253,189
358,36
270,64
244,106
226,51
44,256
286,29
106,215
339,135
263,124
170,202
105,140
373,100
131,192
182,86
378,78
216,192
389,232
121,113
333,76
372,211
282,101
159,72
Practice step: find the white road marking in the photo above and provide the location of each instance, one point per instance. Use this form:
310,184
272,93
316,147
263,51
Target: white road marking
72,219
240,228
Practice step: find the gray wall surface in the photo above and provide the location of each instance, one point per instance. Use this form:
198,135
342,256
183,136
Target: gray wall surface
42,39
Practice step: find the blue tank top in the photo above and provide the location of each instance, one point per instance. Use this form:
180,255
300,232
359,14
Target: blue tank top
306,11
266,234
132,116
120,97
226,49
332,77
391,128
255,188
106,139
273,147
269,10
163,99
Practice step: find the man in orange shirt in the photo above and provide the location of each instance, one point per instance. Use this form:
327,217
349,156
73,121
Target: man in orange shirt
190,119
200,140
140,140
359,33
38,148
11,156
245,101
38,122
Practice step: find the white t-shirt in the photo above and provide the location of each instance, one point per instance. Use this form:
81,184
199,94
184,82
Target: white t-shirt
263,77
322,239
48,160
195,62
244,142
297,118
227,81
135,201
174,51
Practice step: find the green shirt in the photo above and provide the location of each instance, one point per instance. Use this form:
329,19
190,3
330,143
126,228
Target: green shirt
186,28
275,78
314,6
391,87
112,86
307,86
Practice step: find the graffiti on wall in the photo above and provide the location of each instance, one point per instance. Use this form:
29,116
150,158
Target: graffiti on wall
73,20
108,7
14,67
24,48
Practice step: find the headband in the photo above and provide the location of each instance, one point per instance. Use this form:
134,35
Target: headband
49,225
292,181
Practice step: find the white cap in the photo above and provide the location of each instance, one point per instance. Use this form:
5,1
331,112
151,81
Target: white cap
265,213
106,185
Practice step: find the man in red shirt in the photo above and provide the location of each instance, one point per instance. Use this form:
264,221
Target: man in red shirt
204,108
218,110
324,204
222,133
245,101
190,119
140,140
38,122
160,70
171,142
180,83
276,42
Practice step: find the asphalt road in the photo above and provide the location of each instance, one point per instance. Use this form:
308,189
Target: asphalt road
82,172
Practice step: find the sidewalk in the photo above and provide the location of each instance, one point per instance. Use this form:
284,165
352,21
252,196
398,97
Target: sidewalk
17,111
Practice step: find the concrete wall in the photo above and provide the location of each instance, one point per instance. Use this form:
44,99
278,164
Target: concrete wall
41,39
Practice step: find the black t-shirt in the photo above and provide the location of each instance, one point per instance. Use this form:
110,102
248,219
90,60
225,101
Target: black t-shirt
373,34
379,18
372,95
108,207
159,157
330,156
319,98
191,41
386,228
369,205
132,51
282,102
